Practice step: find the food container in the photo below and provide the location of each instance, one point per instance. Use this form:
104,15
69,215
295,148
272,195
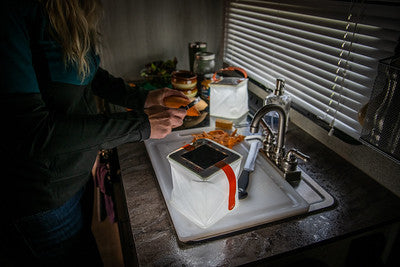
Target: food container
205,87
229,96
204,63
184,80
204,181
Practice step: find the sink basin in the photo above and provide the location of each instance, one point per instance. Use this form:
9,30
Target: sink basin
310,191
270,197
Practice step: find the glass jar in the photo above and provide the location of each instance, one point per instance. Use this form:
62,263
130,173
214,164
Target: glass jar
204,63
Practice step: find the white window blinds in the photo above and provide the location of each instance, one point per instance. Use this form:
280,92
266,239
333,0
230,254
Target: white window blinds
327,51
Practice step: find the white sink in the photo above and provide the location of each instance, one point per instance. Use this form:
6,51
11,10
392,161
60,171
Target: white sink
270,197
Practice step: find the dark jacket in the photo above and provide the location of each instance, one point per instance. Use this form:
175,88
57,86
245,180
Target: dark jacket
50,127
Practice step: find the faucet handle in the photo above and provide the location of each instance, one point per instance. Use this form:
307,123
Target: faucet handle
293,153
266,129
268,144
289,163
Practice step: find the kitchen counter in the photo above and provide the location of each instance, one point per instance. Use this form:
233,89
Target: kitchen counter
362,207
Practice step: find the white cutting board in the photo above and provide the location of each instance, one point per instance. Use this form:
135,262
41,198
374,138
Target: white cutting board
270,197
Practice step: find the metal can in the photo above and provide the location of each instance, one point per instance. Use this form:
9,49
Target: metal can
205,86
195,47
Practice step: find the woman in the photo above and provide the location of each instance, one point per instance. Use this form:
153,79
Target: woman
50,72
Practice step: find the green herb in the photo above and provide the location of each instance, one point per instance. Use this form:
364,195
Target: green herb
158,73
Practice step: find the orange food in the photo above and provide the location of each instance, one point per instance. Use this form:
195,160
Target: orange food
193,112
201,105
223,124
221,137
177,102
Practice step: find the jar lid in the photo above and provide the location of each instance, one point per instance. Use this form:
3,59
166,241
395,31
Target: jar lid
198,45
205,55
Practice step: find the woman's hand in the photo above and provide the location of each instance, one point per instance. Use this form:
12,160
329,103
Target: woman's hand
156,97
163,120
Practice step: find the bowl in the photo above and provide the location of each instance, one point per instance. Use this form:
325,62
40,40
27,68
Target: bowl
191,93
184,80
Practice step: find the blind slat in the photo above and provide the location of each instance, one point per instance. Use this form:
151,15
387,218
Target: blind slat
317,24
329,60
296,81
374,14
323,78
323,60
311,39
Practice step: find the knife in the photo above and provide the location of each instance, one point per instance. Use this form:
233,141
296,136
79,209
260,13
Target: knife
191,104
255,142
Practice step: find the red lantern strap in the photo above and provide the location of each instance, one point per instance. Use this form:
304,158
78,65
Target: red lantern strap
230,175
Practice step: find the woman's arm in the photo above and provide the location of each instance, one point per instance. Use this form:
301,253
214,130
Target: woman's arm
30,129
161,118
117,92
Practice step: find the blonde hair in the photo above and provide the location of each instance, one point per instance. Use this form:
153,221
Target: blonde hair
74,24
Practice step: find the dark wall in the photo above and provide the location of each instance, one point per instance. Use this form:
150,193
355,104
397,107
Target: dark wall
136,32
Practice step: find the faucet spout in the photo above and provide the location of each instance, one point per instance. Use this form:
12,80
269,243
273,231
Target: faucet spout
255,123
275,151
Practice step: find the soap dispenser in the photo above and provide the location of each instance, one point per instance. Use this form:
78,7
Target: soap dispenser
281,98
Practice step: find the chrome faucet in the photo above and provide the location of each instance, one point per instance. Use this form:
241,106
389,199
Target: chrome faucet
275,149
254,126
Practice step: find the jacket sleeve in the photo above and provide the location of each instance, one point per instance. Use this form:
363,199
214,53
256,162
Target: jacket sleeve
32,130
117,92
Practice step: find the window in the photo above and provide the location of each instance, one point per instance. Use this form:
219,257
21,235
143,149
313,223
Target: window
327,51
